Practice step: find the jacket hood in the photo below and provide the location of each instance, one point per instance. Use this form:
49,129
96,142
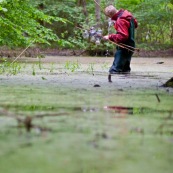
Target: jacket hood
124,14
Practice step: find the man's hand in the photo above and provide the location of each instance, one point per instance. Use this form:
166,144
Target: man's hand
106,37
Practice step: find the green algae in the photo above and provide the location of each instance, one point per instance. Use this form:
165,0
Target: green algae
87,137
78,128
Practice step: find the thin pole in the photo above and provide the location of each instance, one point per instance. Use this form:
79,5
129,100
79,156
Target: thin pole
99,6
137,49
125,47
23,51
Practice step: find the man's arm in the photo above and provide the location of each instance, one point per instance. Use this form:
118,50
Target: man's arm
122,27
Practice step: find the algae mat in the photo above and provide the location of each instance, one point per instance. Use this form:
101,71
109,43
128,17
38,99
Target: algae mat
65,117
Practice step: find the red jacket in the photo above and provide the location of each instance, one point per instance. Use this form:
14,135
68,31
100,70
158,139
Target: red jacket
122,25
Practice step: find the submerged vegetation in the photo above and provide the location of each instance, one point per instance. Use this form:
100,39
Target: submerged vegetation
72,66
10,68
13,68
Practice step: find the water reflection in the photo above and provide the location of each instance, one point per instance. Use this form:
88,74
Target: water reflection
120,109
133,110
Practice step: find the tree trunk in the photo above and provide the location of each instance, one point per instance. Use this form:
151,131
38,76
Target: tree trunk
171,26
82,3
97,13
85,10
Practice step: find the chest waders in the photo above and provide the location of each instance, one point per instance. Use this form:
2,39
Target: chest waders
131,39
122,57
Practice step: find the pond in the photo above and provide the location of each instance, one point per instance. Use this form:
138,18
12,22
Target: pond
62,115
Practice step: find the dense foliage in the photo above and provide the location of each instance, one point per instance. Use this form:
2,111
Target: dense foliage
45,21
155,21
21,23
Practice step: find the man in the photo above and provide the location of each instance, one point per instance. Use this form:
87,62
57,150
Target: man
125,25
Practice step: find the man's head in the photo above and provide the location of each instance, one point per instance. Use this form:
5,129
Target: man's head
110,11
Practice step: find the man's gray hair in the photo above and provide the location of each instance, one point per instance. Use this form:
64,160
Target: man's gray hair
110,10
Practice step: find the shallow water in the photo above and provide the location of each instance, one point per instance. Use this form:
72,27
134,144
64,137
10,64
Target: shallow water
62,123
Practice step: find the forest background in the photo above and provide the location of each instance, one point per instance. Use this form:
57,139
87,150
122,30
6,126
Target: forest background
56,24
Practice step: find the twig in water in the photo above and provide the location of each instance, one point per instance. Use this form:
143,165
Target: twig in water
158,99
109,78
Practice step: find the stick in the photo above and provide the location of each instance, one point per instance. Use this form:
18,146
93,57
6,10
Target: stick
100,7
137,49
80,28
120,45
158,99
23,51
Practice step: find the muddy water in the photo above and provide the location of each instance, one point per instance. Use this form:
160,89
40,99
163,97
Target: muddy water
56,120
